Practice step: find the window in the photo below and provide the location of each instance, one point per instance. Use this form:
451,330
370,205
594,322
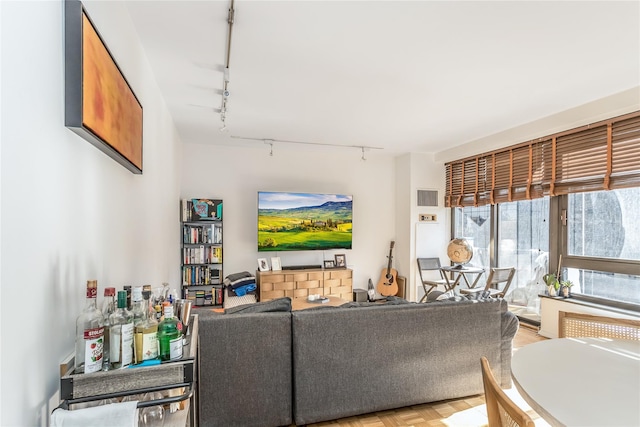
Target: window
569,200
474,225
523,243
602,253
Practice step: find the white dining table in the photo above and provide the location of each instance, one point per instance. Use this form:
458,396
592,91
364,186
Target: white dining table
581,381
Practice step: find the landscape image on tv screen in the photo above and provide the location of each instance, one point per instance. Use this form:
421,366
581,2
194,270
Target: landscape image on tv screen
303,221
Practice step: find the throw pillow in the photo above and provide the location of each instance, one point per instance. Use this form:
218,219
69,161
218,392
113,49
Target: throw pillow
279,304
446,296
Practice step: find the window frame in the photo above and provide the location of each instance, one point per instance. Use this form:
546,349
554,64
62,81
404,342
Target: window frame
558,245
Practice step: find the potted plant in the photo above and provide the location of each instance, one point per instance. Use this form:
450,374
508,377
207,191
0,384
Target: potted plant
566,286
553,285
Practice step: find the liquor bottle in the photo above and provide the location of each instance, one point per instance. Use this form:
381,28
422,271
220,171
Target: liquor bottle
137,305
146,333
170,336
121,334
128,289
108,307
89,334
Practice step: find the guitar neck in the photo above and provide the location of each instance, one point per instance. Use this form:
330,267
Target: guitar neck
390,257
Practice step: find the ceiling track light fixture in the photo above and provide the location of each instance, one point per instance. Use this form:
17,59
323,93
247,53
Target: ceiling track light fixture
225,84
271,141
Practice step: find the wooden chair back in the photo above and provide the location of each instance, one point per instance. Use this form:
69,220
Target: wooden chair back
501,411
580,325
429,264
499,276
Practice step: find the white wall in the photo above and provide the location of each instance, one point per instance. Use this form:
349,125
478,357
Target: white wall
429,238
614,105
404,236
237,174
70,213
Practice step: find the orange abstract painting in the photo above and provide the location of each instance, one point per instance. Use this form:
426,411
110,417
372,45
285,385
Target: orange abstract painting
109,107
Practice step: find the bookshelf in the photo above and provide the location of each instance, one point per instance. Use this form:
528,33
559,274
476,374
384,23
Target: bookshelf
201,251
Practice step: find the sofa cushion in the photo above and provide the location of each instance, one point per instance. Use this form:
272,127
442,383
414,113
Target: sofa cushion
384,357
274,305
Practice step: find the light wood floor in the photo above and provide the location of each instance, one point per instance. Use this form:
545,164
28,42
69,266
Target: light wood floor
467,412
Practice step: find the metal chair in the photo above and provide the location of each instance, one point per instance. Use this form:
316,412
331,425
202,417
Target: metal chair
424,266
501,411
579,325
497,276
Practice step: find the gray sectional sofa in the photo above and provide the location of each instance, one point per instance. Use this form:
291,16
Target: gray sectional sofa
279,368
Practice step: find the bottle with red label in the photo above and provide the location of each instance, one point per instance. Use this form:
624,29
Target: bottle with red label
89,334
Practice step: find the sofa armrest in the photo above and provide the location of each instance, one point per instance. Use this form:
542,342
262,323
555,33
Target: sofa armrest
510,325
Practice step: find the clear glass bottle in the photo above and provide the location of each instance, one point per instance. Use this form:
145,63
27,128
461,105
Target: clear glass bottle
152,416
146,333
89,334
108,307
121,334
170,336
137,305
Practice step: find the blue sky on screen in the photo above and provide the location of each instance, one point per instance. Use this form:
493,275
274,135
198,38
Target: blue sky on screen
280,200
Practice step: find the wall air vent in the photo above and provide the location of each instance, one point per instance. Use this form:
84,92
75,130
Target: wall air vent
428,198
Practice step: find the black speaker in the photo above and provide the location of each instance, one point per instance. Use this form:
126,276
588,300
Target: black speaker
360,295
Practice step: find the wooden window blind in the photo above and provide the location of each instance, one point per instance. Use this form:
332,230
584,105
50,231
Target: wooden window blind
599,156
625,150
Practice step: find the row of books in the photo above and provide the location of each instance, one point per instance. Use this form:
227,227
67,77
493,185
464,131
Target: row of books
209,233
215,296
200,275
201,209
202,255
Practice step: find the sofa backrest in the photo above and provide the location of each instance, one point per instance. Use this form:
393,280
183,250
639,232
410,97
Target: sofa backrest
395,355
245,369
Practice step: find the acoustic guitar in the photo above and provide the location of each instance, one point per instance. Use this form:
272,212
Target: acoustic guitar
387,285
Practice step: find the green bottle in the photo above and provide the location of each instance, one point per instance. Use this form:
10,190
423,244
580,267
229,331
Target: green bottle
170,336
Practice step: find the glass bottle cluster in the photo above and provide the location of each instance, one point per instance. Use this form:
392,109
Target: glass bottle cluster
121,334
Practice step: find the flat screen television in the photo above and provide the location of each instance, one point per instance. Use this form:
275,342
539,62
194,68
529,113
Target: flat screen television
304,221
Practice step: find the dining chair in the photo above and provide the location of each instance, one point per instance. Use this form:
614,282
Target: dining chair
501,411
497,277
424,266
580,325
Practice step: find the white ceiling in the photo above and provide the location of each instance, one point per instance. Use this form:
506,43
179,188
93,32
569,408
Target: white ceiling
416,76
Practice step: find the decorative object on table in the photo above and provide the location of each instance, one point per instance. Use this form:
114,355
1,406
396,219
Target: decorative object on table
553,285
459,251
341,260
371,292
262,264
387,285
275,264
317,298
329,263
566,285
100,106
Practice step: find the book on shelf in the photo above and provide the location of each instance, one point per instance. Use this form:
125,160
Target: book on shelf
208,233
200,275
